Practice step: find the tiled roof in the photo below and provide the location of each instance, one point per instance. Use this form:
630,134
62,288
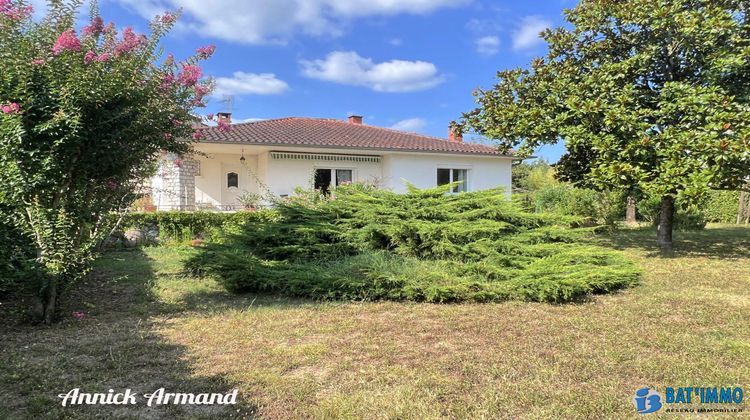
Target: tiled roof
330,133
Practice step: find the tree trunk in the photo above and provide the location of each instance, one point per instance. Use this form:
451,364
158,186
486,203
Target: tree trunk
50,301
743,214
630,211
666,221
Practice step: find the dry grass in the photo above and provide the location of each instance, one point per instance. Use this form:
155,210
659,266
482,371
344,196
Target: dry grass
688,323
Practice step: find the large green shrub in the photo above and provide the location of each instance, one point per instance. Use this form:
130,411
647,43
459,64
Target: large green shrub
421,246
722,206
85,111
16,257
602,207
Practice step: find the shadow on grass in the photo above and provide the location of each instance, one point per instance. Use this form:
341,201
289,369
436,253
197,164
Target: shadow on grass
722,241
117,345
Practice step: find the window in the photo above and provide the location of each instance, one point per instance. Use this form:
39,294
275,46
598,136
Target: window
343,177
233,180
324,178
447,176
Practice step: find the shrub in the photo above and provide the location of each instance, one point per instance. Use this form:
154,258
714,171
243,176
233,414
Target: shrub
599,207
423,246
684,219
180,226
722,206
17,259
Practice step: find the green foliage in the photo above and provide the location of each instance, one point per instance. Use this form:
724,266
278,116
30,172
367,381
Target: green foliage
533,176
180,226
82,121
685,218
421,246
721,207
650,97
598,207
16,258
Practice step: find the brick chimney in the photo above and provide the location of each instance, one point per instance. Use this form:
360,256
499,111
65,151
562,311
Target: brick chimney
355,119
224,116
455,135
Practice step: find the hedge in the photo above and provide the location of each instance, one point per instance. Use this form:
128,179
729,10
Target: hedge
184,226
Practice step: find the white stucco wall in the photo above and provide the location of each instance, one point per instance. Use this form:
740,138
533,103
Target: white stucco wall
210,185
421,170
284,175
261,172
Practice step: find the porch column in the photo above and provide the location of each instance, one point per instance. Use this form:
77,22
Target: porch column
174,184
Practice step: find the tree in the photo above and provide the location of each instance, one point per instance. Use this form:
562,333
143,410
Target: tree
657,90
83,118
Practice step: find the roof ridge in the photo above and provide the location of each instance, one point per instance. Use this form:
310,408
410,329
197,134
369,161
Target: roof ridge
334,120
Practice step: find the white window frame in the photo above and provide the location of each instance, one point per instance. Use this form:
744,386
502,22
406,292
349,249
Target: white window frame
467,184
333,174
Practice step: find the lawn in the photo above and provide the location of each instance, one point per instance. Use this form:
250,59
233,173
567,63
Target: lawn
149,326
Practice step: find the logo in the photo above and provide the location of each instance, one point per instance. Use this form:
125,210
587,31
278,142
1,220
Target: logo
647,401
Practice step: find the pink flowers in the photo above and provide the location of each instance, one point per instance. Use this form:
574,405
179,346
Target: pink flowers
130,41
167,81
11,108
38,62
207,51
89,57
224,127
210,117
197,135
189,75
168,18
79,315
67,41
95,28
12,12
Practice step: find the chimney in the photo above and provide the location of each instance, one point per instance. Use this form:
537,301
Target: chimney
455,135
355,119
224,116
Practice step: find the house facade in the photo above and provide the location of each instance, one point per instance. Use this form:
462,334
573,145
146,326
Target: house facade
274,157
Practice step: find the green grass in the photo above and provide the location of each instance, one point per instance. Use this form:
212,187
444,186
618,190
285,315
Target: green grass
147,326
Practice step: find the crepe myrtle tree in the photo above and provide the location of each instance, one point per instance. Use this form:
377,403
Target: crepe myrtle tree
652,94
84,114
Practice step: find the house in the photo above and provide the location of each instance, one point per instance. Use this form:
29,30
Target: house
276,156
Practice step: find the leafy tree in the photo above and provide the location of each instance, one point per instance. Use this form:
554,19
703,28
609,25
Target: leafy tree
529,176
655,91
84,114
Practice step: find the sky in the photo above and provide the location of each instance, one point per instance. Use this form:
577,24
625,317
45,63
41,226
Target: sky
405,64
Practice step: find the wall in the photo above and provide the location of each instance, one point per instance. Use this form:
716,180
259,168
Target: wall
421,170
173,187
210,191
284,175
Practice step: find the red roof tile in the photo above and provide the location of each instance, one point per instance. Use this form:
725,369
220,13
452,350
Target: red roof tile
330,133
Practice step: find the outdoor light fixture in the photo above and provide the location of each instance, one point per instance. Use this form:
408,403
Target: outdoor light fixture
242,156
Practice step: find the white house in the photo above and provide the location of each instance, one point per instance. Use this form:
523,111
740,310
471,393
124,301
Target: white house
276,156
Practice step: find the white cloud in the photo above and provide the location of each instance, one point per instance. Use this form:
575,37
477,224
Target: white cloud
396,42
264,21
488,45
412,124
528,34
347,67
242,83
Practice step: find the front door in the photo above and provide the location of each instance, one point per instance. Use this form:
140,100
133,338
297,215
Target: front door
231,187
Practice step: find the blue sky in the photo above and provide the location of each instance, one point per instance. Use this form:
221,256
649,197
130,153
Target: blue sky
409,64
